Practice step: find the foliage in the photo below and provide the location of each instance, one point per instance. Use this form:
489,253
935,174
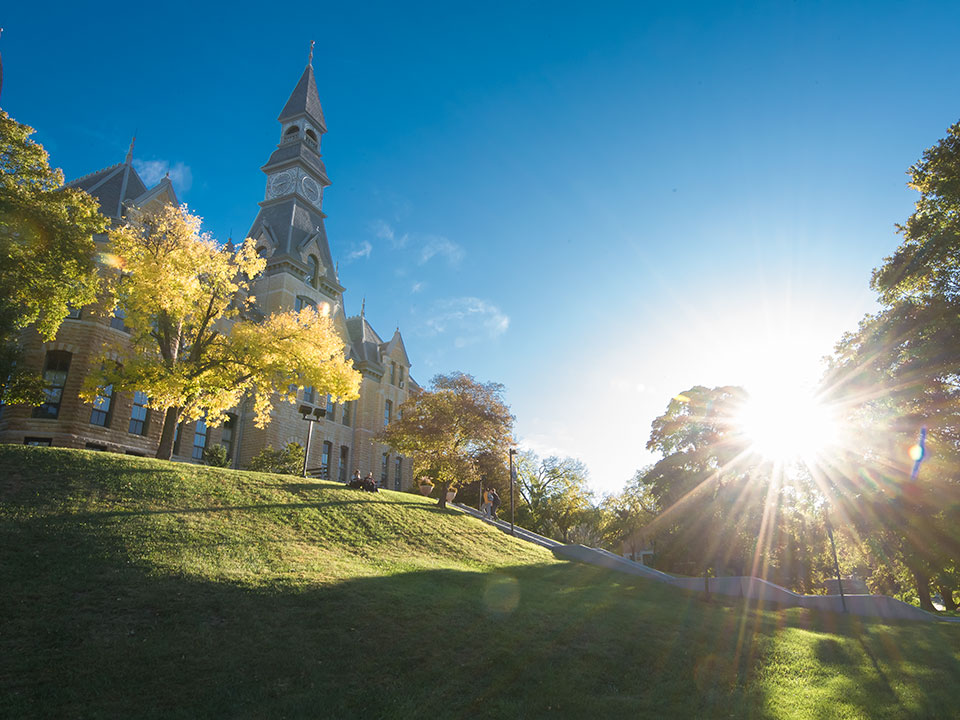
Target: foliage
721,508
286,461
47,253
625,514
555,498
235,594
898,373
451,429
216,456
197,343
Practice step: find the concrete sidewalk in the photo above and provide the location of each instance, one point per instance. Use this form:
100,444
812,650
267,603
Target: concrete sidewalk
877,606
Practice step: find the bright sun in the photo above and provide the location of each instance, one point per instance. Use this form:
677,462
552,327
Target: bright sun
788,426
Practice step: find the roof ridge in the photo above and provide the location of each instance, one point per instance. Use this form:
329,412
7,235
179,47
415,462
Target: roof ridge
91,174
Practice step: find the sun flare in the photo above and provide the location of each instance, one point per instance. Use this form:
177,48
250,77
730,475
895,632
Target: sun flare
788,426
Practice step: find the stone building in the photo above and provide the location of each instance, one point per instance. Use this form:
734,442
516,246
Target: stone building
289,232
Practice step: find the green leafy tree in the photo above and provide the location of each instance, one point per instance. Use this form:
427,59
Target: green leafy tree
722,508
47,254
627,513
451,430
197,344
900,372
556,500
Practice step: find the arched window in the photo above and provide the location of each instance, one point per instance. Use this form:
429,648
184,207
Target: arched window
313,274
292,130
311,136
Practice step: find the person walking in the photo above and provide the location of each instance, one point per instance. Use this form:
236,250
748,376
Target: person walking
494,503
485,505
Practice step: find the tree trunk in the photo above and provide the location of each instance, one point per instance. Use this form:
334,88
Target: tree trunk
442,502
170,420
947,594
923,590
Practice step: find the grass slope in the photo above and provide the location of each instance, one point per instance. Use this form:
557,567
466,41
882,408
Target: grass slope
136,588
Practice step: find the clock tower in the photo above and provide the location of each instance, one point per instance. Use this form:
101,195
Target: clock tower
289,229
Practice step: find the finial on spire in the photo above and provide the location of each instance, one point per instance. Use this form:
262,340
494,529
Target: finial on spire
129,158
310,59
363,306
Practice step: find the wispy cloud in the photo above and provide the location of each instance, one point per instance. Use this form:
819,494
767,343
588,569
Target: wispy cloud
439,246
382,230
362,251
153,171
467,319
416,287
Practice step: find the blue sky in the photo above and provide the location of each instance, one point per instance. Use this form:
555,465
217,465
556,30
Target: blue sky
596,204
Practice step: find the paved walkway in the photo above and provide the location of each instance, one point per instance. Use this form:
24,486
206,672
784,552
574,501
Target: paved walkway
879,606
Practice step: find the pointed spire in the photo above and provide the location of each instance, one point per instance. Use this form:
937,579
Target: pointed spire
304,100
129,158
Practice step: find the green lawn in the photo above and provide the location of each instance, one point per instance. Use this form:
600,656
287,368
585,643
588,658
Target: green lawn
136,588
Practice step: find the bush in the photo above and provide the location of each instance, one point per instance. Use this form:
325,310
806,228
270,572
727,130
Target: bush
216,456
288,461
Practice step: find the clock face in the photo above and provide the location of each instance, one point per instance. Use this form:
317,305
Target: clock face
311,190
280,184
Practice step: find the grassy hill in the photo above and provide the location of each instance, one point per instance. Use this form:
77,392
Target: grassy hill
136,588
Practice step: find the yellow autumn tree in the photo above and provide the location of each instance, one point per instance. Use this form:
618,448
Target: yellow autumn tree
198,344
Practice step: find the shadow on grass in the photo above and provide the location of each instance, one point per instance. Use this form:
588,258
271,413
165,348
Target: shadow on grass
89,631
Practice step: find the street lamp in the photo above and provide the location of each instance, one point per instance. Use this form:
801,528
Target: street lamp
311,415
513,479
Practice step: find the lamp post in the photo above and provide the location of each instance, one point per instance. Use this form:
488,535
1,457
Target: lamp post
513,479
836,562
311,415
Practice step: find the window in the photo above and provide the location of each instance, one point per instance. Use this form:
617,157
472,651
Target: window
331,409
384,470
387,412
100,415
393,373
54,378
397,472
313,274
311,136
346,413
116,322
39,442
73,313
325,453
292,130
227,434
302,302
344,462
401,376
310,395
139,414
199,439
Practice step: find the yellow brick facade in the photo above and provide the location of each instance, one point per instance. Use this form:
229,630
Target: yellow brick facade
299,270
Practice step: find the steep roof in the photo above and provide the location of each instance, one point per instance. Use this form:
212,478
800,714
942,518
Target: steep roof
304,100
396,342
364,340
291,224
112,186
